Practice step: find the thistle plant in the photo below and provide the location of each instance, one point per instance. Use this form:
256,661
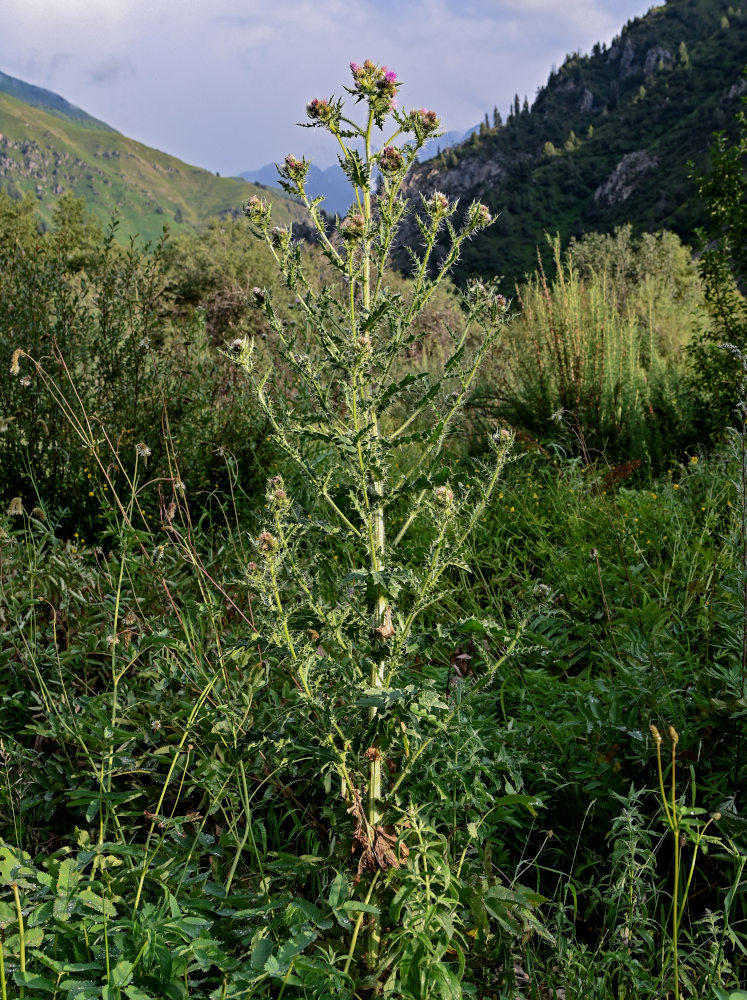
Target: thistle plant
369,436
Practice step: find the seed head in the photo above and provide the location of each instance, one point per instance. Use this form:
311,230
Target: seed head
15,507
674,736
656,734
14,365
267,543
143,450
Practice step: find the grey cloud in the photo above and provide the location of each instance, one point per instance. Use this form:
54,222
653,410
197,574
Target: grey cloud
111,70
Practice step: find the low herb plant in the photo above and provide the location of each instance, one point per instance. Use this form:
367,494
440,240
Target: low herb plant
352,633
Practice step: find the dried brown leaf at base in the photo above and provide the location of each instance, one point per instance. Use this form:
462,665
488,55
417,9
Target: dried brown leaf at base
379,846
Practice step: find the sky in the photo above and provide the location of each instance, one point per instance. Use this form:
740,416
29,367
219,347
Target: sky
222,84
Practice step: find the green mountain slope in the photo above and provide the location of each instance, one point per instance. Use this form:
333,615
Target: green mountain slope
607,140
38,97
45,151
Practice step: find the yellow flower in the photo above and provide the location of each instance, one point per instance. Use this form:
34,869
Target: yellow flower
676,486
694,460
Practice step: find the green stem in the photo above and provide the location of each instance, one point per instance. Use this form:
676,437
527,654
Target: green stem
4,995
21,934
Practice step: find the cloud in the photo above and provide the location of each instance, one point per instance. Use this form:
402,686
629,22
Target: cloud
222,83
111,70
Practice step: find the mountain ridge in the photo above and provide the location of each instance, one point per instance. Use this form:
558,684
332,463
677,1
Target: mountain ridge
45,152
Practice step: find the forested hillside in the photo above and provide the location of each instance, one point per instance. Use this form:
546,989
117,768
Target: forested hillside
606,141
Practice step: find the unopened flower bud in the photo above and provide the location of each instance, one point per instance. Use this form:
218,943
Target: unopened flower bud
280,238
674,736
478,216
364,343
437,205
257,210
294,170
655,733
444,496
353,226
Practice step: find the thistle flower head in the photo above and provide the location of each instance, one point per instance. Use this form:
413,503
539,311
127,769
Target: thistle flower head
353,226
257,211
371,80
280,237
277,496
422,122
478,216
438,206
294,170
444,496
390,160
267,543
323,113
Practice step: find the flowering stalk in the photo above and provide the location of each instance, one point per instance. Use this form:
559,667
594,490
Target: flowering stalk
346,382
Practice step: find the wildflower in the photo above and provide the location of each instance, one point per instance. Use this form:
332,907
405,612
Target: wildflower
594,555
371,80
364,343
542,590
15,508
25,381
180,485
390,160
14,366
423,122
130,619
694,460
323,113
157,554
259,295
112,640
143,451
